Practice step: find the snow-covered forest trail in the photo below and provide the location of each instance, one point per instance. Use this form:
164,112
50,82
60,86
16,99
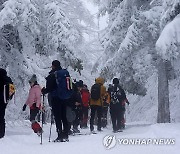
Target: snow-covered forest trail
21,140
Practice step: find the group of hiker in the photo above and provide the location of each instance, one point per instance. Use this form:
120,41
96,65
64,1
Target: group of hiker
70,103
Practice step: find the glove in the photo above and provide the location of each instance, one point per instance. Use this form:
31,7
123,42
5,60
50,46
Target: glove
128,102
43,90
24,107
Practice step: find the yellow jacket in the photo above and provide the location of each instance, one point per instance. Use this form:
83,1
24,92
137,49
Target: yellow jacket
107,98
99,102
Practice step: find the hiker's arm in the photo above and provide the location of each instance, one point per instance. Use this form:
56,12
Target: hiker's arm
50,84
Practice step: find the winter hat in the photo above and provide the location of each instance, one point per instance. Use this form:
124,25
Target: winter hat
115,81
3,72
56,63
33,79
81,83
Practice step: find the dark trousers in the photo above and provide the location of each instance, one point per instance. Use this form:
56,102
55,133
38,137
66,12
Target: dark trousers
76,122
59,112
116,116
104,116
84,116
33,114
94,109
2,120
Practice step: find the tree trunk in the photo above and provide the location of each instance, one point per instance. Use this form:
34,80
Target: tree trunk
163,94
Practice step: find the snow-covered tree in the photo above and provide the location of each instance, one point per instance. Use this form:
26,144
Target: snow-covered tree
42,30
167,46
53,26
132,55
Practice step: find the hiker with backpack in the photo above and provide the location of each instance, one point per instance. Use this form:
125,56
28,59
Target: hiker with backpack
98,91
34,103
118,97
7,90
59,85
85,95
77,106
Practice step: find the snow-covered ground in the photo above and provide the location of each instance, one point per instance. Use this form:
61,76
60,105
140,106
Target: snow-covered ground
20,139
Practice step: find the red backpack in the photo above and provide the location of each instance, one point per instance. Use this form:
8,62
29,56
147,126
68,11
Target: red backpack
85,97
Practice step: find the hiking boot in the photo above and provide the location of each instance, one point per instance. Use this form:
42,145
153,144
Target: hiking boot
58,139
39,132
75,130
99,130
93,132
123,127
36,127
65,139
119,130
70,132
91,128
115,131
61,140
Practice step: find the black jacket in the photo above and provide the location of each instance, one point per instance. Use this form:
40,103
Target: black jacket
117,94
4,79
50,82
76,97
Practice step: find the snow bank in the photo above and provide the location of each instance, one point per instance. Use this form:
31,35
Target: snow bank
21,140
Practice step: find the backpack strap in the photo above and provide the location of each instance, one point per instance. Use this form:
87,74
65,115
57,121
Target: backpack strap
68,83
55,74
4,93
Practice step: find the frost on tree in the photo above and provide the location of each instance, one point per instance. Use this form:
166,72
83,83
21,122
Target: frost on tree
40,30
131,52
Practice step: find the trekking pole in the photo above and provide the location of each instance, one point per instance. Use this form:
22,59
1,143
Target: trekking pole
42,118
51,126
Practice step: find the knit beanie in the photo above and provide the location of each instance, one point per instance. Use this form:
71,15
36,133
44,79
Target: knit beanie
33,79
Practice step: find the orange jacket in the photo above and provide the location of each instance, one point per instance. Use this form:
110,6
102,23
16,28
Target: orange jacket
99,102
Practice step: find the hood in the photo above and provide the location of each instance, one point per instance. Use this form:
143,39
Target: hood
3,73
36,87
100,80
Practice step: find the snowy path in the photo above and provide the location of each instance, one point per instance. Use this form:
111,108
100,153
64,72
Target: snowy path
21,140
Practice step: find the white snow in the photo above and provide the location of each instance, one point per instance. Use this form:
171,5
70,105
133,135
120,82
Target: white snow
169,36
20,139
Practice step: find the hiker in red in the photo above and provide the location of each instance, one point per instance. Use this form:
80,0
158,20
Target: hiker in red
85,95
34,103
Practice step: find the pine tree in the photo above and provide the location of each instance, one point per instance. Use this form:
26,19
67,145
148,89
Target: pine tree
168,49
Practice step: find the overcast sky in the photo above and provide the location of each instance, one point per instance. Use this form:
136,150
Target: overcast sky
94,9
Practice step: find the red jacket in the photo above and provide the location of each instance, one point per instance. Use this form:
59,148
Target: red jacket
85,95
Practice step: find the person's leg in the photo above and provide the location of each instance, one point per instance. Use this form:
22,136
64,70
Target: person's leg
85,116
33,114
113,117
64,120
123,120
56,109
2,120
104,117
76,122
69,128
34,124
119,118
93,111
99,116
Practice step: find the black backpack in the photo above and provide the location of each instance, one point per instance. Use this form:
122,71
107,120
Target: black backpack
96,91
